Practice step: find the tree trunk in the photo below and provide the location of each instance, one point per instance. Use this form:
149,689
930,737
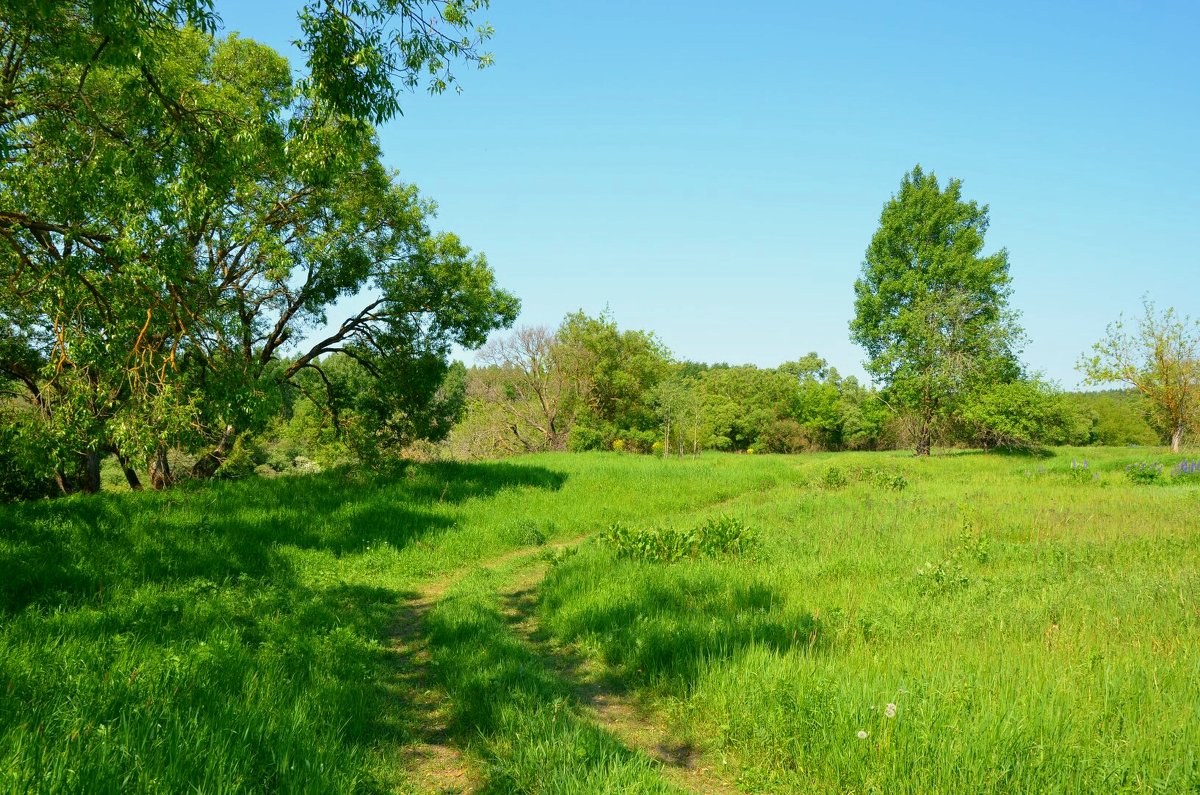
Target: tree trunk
925,428
667,441
924,436
211,461
1177,439
131,476
91,472
160,470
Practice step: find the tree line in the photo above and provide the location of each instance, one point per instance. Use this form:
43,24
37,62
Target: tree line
180,218
588,385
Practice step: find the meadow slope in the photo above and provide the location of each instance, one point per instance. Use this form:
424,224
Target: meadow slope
1034,627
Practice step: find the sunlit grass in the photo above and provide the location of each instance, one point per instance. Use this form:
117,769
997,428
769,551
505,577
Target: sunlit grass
236,637
1035,630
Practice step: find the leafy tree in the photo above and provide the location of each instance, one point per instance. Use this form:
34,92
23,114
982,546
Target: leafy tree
741,403
200,237
1116,418
930,308
1024,414
531,386
616,372
1161,359
361,53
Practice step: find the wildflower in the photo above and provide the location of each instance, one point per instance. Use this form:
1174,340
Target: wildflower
890,710
862,734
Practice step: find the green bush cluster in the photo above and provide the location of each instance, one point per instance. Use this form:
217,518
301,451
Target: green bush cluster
835,478
881,478
1144,473
719,536
951,572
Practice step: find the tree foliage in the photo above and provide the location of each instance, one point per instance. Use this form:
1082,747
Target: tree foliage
930,308
1161,359
200,233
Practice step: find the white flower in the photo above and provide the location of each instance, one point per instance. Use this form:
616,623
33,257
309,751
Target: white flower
890,710
862,734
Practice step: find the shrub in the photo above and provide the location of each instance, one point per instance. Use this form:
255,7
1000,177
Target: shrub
1080,472
721,536
833,479
1144,473
1186,471
885,480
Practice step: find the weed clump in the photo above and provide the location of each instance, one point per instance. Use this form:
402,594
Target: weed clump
881,478
835,478
1144,473
1186,472
720,536
1080,472
951,572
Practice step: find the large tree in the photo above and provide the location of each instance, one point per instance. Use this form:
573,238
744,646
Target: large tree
1161,359
931,309
201,233
526,379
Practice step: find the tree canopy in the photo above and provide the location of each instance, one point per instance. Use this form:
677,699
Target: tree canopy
931,309
200,233
1161,359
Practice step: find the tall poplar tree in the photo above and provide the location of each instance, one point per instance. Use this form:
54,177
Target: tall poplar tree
931,309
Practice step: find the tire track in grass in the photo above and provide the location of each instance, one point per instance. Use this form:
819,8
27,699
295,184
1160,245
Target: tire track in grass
603,698
432,761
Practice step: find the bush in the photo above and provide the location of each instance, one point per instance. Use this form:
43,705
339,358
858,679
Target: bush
1080,472
243,459
721,536
25,473
885,480
1144,473
1186,472
834,479
583,437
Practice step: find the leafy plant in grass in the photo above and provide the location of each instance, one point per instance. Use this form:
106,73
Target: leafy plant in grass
950,573
1144,473
881,478
1186,472
1080,472
834,479
721,536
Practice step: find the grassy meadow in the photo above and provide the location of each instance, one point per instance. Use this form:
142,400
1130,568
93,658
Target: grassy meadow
967,623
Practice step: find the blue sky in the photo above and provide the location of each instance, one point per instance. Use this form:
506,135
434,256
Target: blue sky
714,173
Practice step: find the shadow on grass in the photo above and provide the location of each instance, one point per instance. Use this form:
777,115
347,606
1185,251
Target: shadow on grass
209,634
519,713
65,552
1003,452
663,624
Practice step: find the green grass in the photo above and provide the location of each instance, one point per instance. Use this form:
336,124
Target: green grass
517,713
235,637
1037,632
1036,629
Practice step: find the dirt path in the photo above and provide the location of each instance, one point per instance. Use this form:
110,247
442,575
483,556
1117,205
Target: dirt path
438,766
604,699
432,760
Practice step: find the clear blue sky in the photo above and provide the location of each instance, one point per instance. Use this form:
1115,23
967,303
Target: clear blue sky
713,172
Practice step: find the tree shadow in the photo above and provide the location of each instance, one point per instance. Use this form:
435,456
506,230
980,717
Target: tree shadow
59,553
518,712
1002,452
667,629
193,607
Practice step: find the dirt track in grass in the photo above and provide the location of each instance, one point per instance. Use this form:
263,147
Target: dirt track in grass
434,763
